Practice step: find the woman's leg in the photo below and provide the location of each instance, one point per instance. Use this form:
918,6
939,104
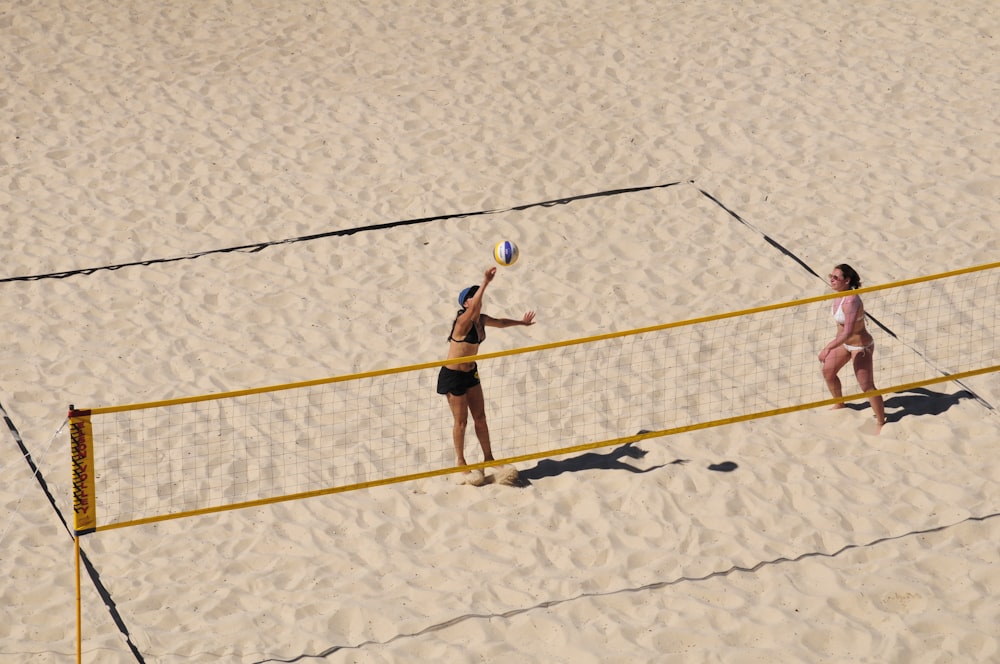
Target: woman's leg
460,413
477,407
865,373
835,361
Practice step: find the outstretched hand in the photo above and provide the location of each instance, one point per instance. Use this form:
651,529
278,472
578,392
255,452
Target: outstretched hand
528,318
489,274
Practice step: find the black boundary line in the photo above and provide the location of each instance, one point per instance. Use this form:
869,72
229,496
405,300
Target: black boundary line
663,584
95,576
91,569
260,246
656,585
254,248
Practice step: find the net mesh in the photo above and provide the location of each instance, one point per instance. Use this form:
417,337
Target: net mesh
186,455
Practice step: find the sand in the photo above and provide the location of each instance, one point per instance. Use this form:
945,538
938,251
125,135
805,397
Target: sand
859,132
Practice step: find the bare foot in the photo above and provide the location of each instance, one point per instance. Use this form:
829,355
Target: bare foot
837,406
870,427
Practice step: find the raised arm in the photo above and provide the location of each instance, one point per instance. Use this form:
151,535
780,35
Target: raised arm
473,306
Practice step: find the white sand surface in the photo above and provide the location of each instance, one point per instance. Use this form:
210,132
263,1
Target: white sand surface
134,134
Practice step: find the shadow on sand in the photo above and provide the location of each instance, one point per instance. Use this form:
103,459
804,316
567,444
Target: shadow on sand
916,402
612,460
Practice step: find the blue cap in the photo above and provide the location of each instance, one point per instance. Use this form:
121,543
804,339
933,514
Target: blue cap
466,294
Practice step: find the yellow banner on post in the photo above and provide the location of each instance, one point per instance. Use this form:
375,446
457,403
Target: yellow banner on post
82,449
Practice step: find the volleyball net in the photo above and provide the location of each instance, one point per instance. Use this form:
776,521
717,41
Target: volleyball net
148,462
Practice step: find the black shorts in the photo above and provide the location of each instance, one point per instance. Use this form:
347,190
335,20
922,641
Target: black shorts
457,382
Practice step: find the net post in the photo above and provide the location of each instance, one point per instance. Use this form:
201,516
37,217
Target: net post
84,512
84,500
82,455
79,611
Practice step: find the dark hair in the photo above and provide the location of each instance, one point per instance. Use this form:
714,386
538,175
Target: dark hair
853,279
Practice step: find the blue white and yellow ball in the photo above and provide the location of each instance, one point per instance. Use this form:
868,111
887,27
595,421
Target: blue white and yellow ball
505,253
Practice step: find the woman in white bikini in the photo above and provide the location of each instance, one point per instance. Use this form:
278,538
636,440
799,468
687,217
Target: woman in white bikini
853,342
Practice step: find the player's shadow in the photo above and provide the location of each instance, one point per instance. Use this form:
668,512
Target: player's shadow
612,460
917,401
921,401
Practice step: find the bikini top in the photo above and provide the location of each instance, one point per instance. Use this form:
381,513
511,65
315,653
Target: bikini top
471,338
838,315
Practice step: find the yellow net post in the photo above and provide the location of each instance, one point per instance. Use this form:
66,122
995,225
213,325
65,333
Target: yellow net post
82,453
84,500
79,602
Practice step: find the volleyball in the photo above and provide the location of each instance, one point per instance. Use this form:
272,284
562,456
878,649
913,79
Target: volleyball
505,253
